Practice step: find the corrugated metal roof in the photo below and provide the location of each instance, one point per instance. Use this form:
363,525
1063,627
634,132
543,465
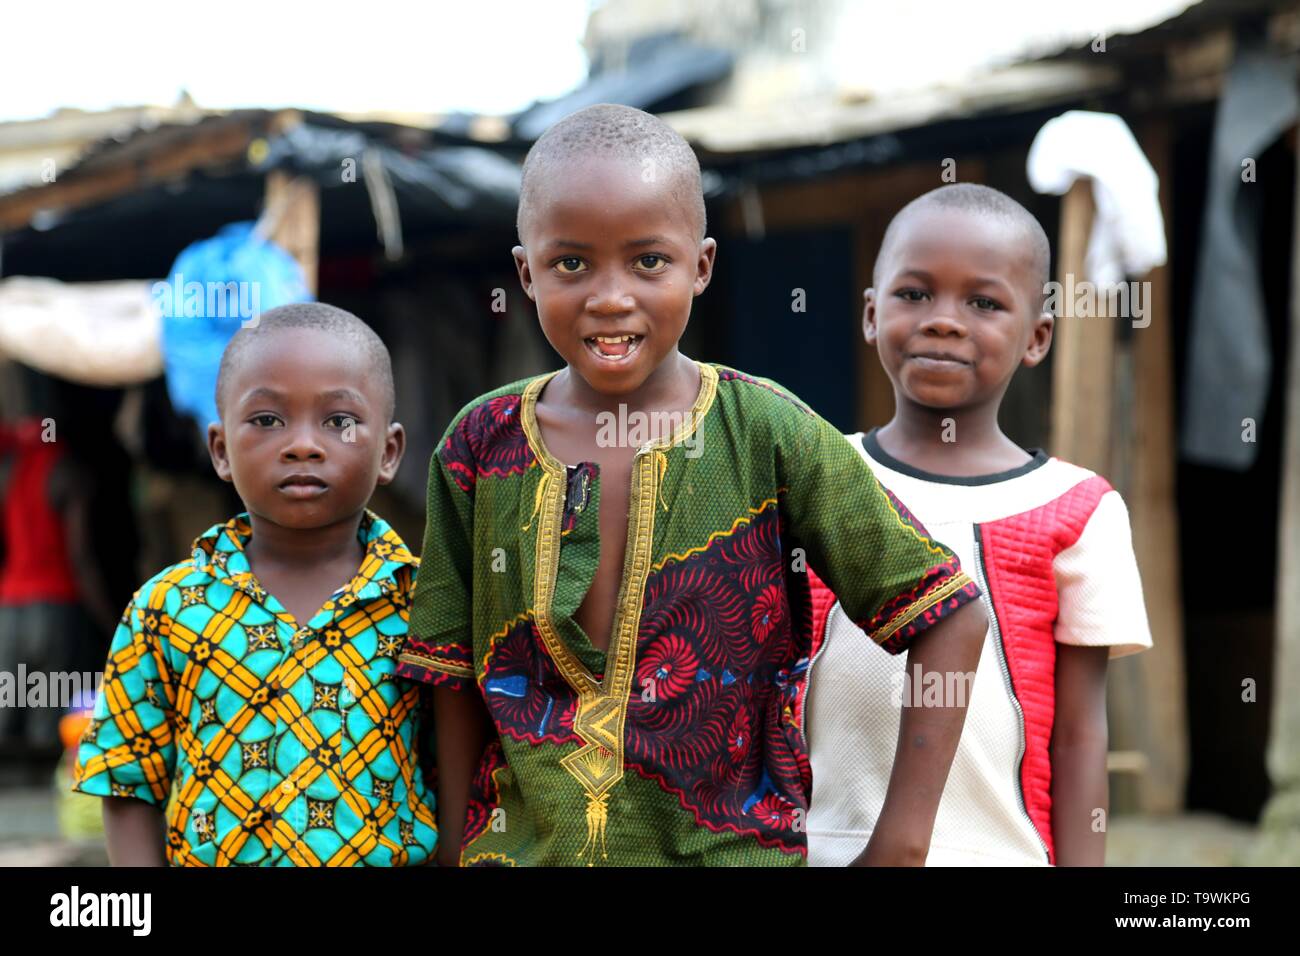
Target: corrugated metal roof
873,67
726,129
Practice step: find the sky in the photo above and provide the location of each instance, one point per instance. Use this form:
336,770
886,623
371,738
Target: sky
421,56
906,50
479,56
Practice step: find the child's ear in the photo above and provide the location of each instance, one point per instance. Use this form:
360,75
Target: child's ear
525,274
217,450
1040,339
704,265
394,449
869,316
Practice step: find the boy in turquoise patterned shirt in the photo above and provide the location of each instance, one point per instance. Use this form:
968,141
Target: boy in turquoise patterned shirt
248,713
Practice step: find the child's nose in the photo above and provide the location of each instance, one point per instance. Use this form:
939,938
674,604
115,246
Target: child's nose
943,321
302,444
610,299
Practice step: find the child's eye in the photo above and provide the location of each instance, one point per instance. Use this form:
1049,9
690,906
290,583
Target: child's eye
340,421
985,304
570,265
652,263
265,421
910,295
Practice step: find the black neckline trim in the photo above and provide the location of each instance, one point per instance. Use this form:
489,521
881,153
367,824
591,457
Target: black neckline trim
872,446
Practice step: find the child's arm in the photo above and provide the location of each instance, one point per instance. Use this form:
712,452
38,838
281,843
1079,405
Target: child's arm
127,754
1079,741
439,651
133,831
927,742
462,727
1100,615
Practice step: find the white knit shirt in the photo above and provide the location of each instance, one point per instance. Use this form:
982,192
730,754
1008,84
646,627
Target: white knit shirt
854,688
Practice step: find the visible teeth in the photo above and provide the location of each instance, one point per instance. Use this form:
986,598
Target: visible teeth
614,340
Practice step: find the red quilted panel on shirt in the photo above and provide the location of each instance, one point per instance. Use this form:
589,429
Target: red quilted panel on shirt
823,599
1018,556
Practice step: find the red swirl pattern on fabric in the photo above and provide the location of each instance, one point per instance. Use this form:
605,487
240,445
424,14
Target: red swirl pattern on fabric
483,795
718,730
489,441
525,693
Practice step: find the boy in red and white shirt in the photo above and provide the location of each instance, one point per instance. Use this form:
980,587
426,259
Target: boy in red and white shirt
956,309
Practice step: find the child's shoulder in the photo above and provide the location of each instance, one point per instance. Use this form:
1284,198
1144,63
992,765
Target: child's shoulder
193,570
774,417
1065,478
495,401
1071,495
756,392
1069,471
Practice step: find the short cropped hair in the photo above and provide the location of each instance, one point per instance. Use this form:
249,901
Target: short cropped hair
324,318
982,201
618,132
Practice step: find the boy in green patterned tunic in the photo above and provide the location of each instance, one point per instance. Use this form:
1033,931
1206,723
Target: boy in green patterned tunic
613,607
248,714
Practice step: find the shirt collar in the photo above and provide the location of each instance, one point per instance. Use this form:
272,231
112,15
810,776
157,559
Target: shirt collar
221,552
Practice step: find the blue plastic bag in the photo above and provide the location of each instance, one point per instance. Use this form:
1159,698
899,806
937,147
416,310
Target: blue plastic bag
214,287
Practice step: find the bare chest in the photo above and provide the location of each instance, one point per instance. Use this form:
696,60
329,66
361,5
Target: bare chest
596,613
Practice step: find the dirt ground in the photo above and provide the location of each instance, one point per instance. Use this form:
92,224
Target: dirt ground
30,836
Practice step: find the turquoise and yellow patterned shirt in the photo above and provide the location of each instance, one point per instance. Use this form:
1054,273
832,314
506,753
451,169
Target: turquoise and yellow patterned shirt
268,743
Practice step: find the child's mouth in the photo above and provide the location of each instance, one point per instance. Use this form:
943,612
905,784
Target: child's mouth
613,348
303,486
941,363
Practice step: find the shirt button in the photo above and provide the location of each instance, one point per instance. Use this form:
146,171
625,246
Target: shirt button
287,787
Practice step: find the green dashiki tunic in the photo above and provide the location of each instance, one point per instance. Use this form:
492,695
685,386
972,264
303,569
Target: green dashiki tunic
683,743
268,743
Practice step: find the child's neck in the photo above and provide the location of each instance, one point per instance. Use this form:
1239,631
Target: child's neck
954,442
675,382
307,549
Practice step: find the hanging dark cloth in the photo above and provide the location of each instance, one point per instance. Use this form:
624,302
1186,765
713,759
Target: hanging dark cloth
1229,360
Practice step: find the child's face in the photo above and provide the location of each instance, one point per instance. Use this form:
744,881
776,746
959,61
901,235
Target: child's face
957,309
304,433
610,255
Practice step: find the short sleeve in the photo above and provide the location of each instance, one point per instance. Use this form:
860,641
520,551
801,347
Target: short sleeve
439,649
892,579
129,747
1099,589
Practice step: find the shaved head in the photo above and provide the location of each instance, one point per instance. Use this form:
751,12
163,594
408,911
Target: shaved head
983,201
336,322
614,132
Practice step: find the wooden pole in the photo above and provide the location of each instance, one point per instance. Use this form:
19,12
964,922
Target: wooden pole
292,220
1149,690
1083,348
1113,412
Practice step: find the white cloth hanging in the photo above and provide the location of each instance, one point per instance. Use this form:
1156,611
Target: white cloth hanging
1128,231
106,334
